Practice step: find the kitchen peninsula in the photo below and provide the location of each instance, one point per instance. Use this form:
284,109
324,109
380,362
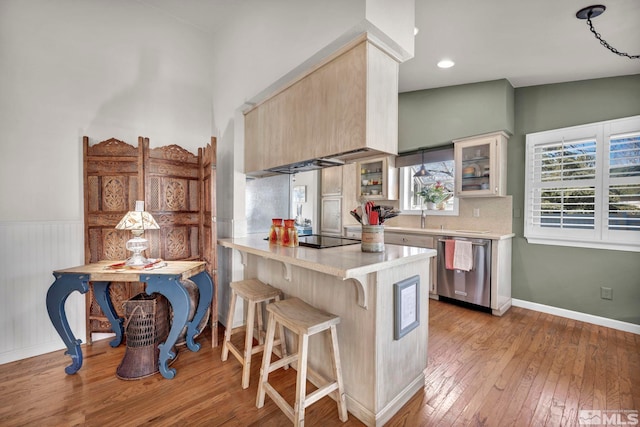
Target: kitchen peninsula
381,370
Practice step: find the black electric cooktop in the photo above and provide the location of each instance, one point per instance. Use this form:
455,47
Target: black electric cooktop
320,242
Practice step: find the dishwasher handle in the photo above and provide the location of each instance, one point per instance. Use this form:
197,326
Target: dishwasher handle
484,243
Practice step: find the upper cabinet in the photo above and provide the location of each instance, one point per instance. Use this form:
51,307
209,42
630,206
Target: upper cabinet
341,109
481,165
377,178
331,182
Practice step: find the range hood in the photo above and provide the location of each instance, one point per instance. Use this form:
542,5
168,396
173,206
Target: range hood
305,166
338,159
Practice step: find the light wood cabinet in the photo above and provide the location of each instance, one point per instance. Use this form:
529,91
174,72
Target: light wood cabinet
481,165
339,109
331,181
377,178
420,241
331,219
338,187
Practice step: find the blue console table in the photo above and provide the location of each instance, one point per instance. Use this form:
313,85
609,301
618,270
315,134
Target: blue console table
164,280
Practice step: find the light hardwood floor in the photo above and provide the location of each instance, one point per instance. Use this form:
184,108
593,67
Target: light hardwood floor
525,368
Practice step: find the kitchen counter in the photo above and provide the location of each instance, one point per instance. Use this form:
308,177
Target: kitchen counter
480,234
344,262
381,369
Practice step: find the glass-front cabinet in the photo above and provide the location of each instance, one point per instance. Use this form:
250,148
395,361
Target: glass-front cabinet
481,165
377,178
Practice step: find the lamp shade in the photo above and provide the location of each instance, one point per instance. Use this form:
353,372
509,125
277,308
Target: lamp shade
421,172
136,220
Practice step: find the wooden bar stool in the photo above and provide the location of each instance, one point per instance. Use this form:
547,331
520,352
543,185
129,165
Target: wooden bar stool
304,320
254,292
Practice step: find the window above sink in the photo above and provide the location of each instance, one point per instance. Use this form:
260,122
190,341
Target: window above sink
440,171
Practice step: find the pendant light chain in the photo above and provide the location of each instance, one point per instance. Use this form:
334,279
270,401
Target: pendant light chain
607,45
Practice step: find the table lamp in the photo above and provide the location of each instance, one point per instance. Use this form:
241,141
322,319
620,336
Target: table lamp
137,221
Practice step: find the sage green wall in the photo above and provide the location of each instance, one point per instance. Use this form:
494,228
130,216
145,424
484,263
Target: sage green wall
430,118
567,277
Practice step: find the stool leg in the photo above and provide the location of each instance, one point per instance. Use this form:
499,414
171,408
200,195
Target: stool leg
301,384
283,341
260,323
248,343
266,360
337,372
227,331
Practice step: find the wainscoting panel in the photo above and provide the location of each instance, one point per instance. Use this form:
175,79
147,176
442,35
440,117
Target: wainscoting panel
29,253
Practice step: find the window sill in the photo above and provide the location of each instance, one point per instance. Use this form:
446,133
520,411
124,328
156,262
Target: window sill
613,246
432,212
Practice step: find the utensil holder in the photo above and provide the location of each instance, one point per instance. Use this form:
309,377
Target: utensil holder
372,238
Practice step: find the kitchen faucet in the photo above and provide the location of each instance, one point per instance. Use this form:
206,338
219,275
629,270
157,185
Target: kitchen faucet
423,219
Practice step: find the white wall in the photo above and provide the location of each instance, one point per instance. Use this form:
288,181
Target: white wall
396,20
67,69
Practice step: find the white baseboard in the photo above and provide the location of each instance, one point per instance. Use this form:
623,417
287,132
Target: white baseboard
576,315
27,352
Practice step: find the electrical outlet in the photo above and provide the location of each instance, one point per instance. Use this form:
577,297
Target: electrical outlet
606,293
476,212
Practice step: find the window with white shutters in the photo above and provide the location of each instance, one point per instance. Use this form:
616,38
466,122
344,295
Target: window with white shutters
583,186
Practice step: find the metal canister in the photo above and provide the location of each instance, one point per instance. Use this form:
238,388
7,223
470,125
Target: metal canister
372,238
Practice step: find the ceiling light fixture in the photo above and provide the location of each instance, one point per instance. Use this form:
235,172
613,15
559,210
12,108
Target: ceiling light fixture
416,30
446,63
593,12
423,171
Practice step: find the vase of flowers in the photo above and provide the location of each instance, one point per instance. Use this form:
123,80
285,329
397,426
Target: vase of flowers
435,195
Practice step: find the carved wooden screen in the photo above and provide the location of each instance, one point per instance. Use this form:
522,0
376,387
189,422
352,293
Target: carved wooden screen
113,181
172,196
208,226
178,188
179,191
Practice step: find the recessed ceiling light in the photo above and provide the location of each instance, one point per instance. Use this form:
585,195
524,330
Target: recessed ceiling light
446,63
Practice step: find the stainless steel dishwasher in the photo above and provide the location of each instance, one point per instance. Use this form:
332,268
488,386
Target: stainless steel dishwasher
472,286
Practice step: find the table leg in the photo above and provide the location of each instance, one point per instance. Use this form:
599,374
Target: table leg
101,291
205,288
178,297
57,294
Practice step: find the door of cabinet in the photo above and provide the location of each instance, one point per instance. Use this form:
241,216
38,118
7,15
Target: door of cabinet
377,178
332,181
331,218
480,165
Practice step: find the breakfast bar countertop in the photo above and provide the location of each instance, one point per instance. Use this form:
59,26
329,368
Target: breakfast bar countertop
344,262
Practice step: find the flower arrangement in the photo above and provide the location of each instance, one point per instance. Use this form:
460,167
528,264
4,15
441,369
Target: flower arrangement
436,193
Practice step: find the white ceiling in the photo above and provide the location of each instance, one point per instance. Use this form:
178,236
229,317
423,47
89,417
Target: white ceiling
528,42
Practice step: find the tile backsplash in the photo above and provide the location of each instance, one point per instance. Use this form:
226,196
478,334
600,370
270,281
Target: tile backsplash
494,214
